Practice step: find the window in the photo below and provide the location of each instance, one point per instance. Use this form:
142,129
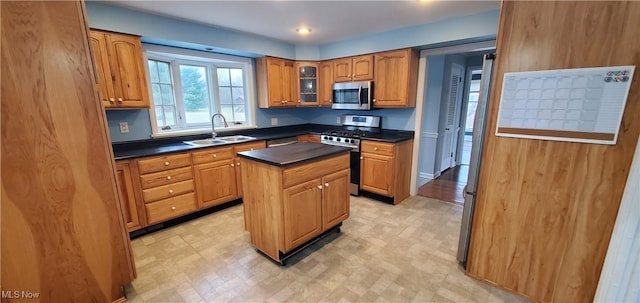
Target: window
474,93
188,87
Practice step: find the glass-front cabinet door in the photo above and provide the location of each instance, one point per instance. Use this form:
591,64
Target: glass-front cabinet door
307,84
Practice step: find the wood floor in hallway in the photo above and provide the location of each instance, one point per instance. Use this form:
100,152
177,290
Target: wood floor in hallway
448,187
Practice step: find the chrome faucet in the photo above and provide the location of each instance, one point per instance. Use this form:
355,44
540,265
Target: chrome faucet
213,125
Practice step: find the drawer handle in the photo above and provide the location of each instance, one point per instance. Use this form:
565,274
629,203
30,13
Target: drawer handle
319,186
173,208
215,155
238,163
168,177
252,148
166,163
375,148
171,191
326,185
232,165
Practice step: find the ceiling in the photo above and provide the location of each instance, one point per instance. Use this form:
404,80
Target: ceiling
330,21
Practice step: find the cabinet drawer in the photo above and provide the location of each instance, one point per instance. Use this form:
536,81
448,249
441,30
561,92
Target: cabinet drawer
212,155
166,177
156,164
374,147
167,191
170,208
249,146
304,172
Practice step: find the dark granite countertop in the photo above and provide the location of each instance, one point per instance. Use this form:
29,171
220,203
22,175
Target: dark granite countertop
293,153
151,147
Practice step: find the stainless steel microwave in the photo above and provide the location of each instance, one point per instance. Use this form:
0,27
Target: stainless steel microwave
353,95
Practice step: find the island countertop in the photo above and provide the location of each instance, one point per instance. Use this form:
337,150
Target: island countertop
293,153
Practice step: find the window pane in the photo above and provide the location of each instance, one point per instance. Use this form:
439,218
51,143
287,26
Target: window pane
225,95
236,77
170,115
153,70
223,77
195,93
167,94
473,97
474,86
227,111
238,112
157,95
164,72
160,116
238,95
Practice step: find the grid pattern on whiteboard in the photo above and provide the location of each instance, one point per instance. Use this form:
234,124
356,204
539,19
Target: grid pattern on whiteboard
578,105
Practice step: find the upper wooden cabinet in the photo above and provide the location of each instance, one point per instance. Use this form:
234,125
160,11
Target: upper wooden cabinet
358,68
120,70
275,80
325,83
306,81
396,78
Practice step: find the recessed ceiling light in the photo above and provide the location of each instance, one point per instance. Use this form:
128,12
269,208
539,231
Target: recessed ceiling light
303,30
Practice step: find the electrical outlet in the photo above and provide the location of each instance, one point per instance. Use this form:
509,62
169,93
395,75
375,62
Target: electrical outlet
274,121
124,127
338,119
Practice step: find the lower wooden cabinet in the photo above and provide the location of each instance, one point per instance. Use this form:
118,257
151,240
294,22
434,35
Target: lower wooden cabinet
170,208
293,204
127,195
385,168
215,182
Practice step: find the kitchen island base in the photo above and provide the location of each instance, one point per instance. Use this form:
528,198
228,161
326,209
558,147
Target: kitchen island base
284,256
293,194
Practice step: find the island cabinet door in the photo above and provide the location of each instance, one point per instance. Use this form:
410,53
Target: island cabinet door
215,183
335,206
302,209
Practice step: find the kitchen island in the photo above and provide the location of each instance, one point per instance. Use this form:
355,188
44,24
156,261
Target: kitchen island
293,195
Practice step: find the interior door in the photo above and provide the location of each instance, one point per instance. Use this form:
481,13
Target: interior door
452,127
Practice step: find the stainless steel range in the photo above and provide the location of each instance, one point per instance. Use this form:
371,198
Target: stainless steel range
353,128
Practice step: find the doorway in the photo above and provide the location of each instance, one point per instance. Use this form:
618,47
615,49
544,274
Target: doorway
458,105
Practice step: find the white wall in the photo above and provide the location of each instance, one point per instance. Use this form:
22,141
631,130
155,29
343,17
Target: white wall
430,117
620,276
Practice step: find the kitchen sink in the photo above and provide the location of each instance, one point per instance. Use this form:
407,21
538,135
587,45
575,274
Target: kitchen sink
236,138
218,140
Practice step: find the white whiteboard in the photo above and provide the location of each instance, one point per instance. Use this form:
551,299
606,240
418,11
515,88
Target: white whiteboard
576,105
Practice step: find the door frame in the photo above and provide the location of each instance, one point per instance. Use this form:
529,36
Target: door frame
422,84
464,108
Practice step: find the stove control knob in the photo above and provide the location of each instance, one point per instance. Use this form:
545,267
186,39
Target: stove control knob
330,138
338,139
353,141
325,137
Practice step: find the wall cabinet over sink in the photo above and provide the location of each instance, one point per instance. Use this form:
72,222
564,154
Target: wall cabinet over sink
120,70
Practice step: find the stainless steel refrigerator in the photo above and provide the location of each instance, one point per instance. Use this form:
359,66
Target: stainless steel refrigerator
470,189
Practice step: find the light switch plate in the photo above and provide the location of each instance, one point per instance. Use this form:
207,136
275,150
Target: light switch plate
124,127
274,121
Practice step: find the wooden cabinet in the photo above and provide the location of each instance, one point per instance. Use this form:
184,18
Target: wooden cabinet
325,83
215,176
288,206
358,68
309,138
128,192
240,148
275,81
385,168
120,70
396,78
306,80
167,186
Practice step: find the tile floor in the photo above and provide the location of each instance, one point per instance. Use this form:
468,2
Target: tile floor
385,253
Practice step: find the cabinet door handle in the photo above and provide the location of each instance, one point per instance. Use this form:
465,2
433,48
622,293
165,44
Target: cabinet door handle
119,100
349,76
374,100
171,191
173,208
238,163
319,186
252,148
299,101
361,158
168,177
112,100
330,101
326,185
166,163
232,165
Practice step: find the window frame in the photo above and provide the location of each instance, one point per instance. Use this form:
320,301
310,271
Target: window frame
177,57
